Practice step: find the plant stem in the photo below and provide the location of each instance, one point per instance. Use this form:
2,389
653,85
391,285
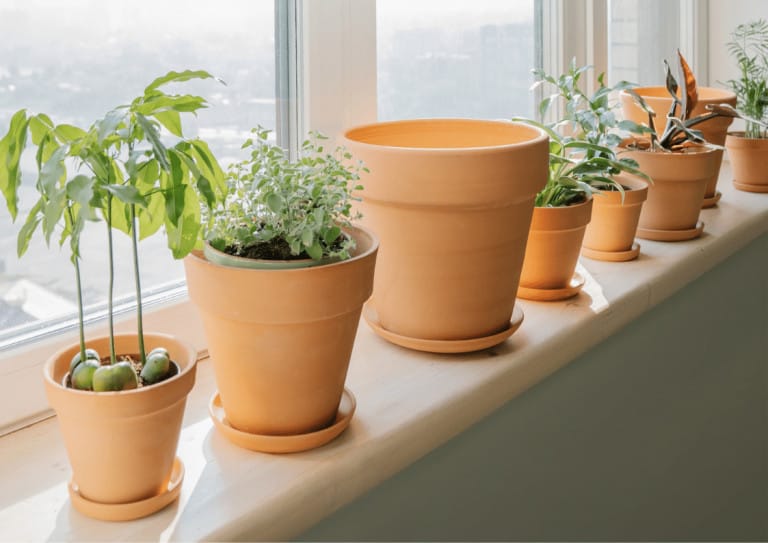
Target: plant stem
76,262
110,317
139,319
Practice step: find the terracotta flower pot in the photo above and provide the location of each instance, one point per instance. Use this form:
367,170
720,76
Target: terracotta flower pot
451,200
714,130
281,340
122,445
553,250
671,212
749,161
610,235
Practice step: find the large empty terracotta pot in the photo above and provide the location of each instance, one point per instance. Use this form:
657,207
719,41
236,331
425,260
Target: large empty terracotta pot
122,445
451,200
714,130
281,339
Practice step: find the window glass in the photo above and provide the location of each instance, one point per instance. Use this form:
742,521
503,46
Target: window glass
641,34
77,59
441,58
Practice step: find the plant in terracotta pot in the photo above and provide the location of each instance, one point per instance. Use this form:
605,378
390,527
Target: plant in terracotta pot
119,396
713,128
280,286
748,150
610,234
678,159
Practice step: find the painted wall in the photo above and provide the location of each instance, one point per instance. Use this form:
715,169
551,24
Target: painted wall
724,16
659,433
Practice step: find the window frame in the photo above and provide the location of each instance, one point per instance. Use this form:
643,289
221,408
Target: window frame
328,82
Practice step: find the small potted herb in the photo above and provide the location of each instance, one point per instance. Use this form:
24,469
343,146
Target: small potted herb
748,150
610,234
280,286
577,169
678,158
120,396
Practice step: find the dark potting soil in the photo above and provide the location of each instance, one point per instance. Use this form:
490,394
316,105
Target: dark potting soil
274,249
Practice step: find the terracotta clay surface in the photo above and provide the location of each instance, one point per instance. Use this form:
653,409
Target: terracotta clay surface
679,181
280,340
451,200
122,445
713,130
554,245
611,231
749,160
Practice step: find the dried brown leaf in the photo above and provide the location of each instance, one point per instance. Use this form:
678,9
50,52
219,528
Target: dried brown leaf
692,95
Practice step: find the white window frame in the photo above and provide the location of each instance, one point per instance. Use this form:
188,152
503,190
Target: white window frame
334,48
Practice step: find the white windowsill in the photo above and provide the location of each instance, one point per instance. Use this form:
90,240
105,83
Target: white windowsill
409,403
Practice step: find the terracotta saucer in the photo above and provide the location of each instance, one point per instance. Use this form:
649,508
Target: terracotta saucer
553,294
750,188
134,510
712,200
671,235
612,256
283,444
447,346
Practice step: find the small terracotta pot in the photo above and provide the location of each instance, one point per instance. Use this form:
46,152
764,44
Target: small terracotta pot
749,161
554,245
676,195
714,130
281,340
451,200
122,445
614,220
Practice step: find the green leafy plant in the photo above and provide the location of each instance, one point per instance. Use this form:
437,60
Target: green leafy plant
120,171
283,209
749,47
582,158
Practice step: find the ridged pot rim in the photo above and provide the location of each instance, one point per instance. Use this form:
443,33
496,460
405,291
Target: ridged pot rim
374,245
539,137
158,389
636,194
706,94
697,148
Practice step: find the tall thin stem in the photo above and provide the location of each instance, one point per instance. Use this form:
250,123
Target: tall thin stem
76,262
112,356
139,319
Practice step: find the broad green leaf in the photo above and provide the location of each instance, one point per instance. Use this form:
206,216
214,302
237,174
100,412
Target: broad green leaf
151,218
177,77
11,147
52,171
120,215
40,125
170,120
109,124
185,103
332,234
275,202
212,170
174,202
307,237
633,127
315,251
148,175
52,212
183,235
127,194
150,132
29,227
69,133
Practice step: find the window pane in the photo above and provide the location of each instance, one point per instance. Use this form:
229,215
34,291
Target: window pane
641,34
77,59
440,58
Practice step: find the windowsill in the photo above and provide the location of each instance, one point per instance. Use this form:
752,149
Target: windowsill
409,403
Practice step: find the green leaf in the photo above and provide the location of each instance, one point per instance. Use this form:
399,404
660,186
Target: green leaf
176,77
29,227
170,120
174,202
11,147
331,234
120,216
52,171
184,235
69,133
80,189
151,218
160,103
275,202
307,237
52,212
212,170
315,251
40,126
150,132
127,194
108,125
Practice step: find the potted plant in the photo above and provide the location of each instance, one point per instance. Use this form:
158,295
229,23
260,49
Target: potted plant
451,200
678,159
713,129
280,287
748,150
120,397
610,234
562,211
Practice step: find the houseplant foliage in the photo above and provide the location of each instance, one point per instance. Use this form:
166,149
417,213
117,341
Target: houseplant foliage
748,151
280,286
279,209
121,172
